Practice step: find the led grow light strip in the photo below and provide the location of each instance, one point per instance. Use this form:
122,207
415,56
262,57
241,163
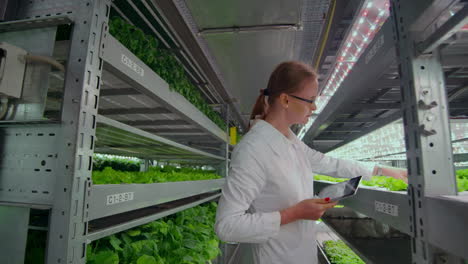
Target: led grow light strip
374,12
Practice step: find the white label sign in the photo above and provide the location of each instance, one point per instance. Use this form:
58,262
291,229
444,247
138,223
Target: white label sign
373,50
132,65
119,198
386,208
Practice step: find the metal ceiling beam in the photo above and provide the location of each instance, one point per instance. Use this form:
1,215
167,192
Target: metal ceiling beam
382,92
155,122
427,11
330,52
458,106
395,83
253,28
346,20
344,129
199,139
332,137
457,92
154,147
122,91
175,130
376,106
128,111
391,156
454,60
381,123
205,145
455,82
55,94
450,27
329,141
356,120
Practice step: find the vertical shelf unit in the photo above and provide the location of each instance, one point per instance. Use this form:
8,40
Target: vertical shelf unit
419,52
109,102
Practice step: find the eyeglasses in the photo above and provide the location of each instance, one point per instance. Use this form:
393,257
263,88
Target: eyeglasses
303,99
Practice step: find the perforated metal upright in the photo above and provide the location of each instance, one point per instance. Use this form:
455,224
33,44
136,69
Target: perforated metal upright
48,165
426,124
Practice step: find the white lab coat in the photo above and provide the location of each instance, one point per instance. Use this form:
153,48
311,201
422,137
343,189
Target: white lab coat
270,172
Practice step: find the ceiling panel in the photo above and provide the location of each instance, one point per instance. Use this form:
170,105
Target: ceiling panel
251,41
215,13
247,59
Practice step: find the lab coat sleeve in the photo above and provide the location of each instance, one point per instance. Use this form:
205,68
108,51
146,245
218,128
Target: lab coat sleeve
335,167
245,182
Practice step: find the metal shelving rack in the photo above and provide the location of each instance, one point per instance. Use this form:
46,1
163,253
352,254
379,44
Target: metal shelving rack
112,103
431,212
363,105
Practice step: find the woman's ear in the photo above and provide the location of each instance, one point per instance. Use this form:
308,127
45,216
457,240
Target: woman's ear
283,98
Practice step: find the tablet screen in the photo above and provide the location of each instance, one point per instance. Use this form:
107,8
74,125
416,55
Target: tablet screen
341,190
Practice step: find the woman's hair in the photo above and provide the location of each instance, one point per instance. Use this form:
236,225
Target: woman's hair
286,78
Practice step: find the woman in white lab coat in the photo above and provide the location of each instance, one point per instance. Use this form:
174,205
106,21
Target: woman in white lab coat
267,203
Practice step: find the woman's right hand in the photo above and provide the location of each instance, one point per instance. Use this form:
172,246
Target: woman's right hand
310,209
313,209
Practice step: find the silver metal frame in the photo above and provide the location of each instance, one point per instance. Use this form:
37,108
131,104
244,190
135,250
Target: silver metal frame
17,221
427,135
62,153
144,195
379,244
431,212
48,165
141,221
68,217
121,130
119,61
381,83
386,206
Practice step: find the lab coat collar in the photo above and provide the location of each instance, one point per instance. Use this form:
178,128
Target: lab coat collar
274,138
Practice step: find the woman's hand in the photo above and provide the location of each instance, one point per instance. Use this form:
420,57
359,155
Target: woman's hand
310,209
396,173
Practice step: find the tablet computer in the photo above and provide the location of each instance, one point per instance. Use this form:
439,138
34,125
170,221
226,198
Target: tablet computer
342,190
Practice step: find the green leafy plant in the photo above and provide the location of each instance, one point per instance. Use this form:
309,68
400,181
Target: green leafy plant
116,163
153,175
319,177
339,253
186,237
462,174
393,184
163,62
35,247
